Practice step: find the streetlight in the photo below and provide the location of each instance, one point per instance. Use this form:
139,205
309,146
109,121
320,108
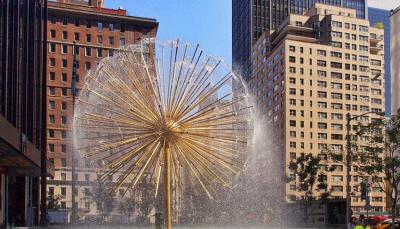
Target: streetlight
348,161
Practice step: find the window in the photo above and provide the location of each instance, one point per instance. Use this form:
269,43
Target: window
122,28
64,77
292,145
63,162
87,65
111,40
52,119
322,125
100,26
292,69
111,27
99,39
321,63
65,21
322,136
64,91
363,28
336,54
292,48
337,178
111,52
52,104
336,65
63,134
292,112
336,137
88,24
64,105
63,120
88,51
321,52
52,90
52,47
321,73
292,123
337,24
293,134
63,189
335,34
353,27
52,75
88,38
63,148
292,59
64,35
64,63
51,133
53,33
76,22
99,52
64,49
76,36
51,147
76,50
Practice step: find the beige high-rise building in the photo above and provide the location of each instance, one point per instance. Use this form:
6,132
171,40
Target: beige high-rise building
307,75
395,55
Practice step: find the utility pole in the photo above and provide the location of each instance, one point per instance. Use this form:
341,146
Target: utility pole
348,162
73,93
348,167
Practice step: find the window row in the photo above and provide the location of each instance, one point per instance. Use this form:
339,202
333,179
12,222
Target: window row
88,23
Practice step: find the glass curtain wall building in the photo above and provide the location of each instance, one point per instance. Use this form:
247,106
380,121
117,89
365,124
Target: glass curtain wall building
376,16
250,18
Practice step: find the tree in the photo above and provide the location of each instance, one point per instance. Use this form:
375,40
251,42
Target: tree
310,180
53,202
127,205
146,200
380,156
102,196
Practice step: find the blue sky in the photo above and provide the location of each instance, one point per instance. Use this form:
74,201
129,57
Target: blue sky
207,22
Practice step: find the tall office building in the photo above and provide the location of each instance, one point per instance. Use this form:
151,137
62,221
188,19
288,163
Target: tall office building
22,111
251,18
395,57
97,32
307,75
381,18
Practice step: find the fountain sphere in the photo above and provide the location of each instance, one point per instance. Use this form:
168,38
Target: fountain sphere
167,113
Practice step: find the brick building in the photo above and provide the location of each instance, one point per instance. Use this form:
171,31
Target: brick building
97,32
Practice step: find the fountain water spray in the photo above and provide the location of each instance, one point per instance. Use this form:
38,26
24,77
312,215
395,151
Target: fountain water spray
158,111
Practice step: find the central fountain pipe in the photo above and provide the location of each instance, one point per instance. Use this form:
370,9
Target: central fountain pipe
167,187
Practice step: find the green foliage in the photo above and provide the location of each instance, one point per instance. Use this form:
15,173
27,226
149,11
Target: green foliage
127,205
380,156
379,25
53,202
102,196
310,180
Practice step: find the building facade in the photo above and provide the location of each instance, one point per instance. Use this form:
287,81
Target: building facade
97,32
251,18
395,57
22,111
379,18
307,75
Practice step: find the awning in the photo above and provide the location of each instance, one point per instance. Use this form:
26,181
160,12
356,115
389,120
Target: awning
18,154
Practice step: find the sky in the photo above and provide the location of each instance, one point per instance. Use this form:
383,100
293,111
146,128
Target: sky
384,4
207,22
204,22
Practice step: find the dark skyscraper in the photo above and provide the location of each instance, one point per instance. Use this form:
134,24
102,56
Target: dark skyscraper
250,18
22,111
383,16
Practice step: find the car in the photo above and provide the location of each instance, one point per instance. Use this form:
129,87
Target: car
387,223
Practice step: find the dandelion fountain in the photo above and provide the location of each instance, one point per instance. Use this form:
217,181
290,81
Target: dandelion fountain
164,112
